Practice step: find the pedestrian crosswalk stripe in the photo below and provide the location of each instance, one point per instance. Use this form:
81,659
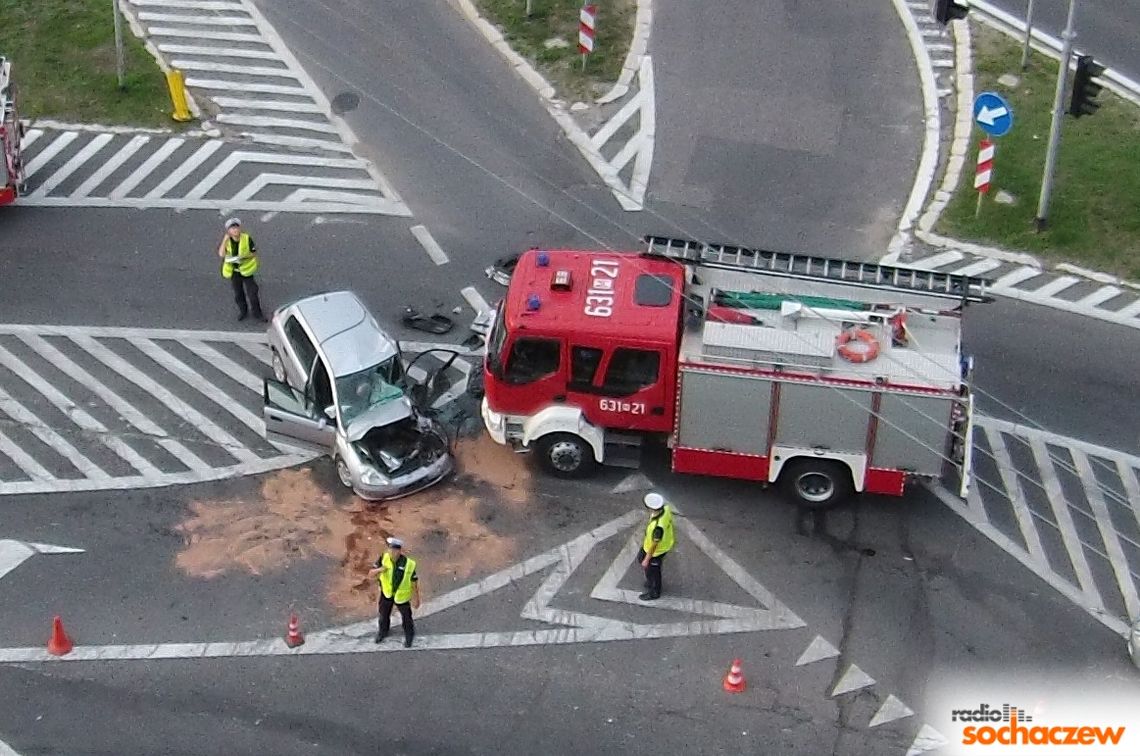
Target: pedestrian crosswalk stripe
197,19
176,405
148,166
228,51
185,169
1016,495
124,408
61,174
113,164
235,371
44,156
49,436
23,460
75,413
1095,497
205,65
167,31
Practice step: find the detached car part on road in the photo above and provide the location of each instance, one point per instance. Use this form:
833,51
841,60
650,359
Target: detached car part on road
339,387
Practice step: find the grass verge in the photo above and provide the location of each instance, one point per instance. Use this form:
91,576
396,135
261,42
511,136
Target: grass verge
63,61
1094,212
549,39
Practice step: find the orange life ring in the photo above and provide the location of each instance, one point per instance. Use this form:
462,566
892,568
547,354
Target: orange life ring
868,345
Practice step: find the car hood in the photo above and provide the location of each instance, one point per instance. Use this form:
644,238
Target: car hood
378,416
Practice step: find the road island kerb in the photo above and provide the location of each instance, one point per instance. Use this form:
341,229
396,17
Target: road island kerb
946,71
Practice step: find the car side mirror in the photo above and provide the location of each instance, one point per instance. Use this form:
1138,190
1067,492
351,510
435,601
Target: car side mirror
330,412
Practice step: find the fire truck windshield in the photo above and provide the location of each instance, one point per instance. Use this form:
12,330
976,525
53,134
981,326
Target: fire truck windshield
496,340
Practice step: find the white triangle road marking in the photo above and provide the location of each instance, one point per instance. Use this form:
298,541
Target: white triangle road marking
891,710
927,739
853,679
633,482
818,650
14,553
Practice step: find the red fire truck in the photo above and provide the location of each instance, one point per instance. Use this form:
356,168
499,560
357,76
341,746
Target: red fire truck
11,134
824,376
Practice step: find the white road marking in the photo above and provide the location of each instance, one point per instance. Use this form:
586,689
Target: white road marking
1098,297
23,460
44,156
1014,277
197,20
7,750
1055,286
238,119
296,141
263,180
30,136
627,111
168,31
147,167
978,267
1112,547
853,679
818,650
188,166
221,52
125,409
208,5
110,166
1129,311
424,237
235,371
632,482
76,414
1016,496
63,172
475,299
207,388
240,86
939,260
239,103
37,427
927,739
15,553
891,710
1059,503
176,405
212,67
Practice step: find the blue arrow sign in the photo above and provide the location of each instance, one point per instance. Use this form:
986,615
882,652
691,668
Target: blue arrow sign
993,114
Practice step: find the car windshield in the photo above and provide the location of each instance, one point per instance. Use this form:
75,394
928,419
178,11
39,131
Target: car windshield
359,392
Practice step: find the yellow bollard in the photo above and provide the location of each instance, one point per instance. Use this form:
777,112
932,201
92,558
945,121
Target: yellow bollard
176,84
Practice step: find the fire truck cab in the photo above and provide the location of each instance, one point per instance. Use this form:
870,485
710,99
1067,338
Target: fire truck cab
826,376
11,135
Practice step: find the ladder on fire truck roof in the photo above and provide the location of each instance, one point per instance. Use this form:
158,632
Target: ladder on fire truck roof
809,267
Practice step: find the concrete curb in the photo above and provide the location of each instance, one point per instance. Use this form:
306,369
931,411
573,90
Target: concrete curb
928,162
637,50
628,197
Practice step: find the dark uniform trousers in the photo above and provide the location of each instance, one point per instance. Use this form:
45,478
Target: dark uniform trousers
386,604
246,295
653,574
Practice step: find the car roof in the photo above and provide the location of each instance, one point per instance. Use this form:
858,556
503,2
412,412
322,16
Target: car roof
348,335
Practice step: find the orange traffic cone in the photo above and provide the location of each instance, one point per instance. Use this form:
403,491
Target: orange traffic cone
293,638
734,680
59,644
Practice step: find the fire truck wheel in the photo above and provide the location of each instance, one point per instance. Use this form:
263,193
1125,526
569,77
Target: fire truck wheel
816,483
566,455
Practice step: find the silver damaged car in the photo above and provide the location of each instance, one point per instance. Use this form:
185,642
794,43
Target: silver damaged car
339,388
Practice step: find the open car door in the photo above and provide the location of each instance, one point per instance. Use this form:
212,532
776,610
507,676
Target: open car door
291,419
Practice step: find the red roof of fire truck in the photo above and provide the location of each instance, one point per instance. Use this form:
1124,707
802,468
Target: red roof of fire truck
11,133
748,361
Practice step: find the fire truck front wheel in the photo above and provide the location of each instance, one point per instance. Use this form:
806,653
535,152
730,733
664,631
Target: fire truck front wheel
816,483
566,455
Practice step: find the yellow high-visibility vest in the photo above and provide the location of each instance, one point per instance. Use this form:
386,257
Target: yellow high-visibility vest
665,522
247,261
404,589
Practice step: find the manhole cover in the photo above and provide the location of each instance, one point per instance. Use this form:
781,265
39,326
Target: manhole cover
344,102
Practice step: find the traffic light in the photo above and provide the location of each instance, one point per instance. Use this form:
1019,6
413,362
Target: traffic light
946,11
1085,89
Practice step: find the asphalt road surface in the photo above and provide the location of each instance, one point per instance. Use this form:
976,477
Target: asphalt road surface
1106,29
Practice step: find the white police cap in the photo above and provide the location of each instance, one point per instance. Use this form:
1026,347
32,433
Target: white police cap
232,222
394,542
654,501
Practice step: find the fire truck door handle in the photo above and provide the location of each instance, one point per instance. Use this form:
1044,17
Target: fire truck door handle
560,397
658,410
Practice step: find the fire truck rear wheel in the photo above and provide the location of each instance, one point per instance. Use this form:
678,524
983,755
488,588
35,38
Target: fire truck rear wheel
816,484
566,455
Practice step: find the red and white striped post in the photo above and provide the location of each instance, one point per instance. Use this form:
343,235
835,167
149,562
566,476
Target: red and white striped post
985,171
587,23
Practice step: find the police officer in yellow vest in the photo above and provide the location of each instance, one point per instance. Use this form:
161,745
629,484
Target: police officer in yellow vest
399,587
239,264
657,543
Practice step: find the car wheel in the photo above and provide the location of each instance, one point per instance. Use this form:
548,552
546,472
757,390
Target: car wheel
816,484
278,367
342,472
566,455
